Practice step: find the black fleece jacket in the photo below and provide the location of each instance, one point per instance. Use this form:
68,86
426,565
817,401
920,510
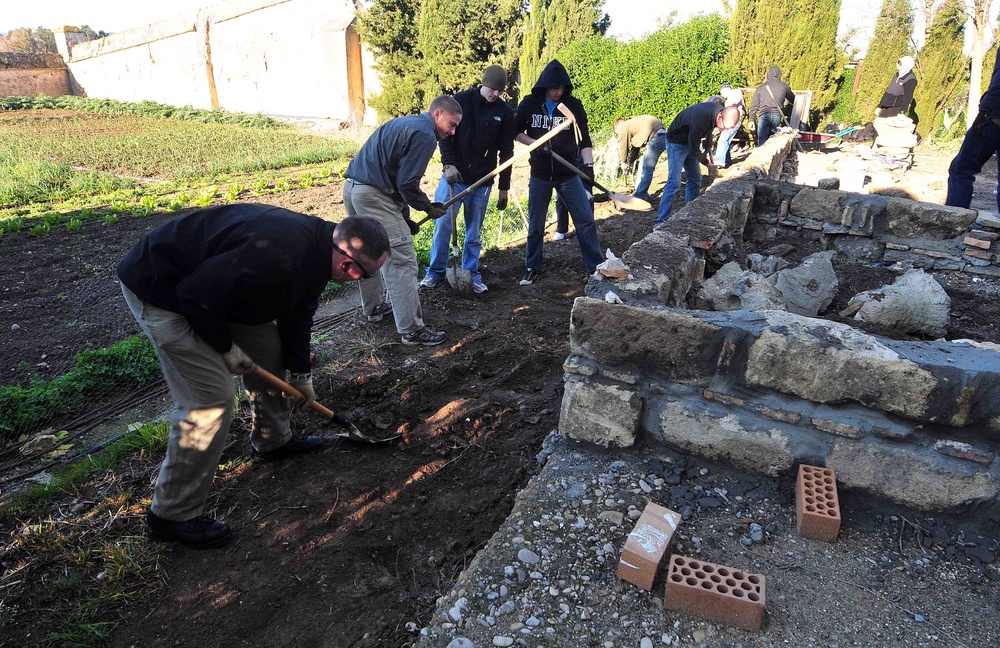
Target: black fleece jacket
486,130
249,264
897,97
693,128
771,96
533,119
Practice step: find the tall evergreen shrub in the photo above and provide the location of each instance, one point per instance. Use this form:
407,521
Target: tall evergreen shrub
890,41
942,66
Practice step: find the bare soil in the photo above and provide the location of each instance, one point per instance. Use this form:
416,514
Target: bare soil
347,547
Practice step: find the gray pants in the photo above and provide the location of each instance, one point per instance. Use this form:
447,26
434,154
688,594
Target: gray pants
399,274
204,396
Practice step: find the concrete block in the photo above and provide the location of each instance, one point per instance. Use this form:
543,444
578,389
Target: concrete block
714,592
817,507
607,415
647,545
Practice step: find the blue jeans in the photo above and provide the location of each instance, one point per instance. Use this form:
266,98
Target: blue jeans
575,197
767,123
473,209
977,149
654,149
722,157
679,157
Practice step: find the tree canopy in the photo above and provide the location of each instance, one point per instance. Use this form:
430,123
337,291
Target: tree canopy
890,41
941,66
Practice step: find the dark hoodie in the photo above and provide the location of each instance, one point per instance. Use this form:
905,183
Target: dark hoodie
533,119
773,102
899,94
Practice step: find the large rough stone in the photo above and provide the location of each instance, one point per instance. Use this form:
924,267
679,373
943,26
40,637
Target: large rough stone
819,204
732,288
669,343
923,480
661,265
827,362
914,303
809,288
913,219
724,436
608,415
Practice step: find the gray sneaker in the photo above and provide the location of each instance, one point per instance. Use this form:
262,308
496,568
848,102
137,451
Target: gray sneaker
430,281
479,286
424,336
380,311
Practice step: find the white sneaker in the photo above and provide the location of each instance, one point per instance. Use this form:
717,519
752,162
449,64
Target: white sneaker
558,236
429,281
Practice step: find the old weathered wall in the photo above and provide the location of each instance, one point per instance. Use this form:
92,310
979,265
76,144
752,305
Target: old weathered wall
29,75
281,57
916,422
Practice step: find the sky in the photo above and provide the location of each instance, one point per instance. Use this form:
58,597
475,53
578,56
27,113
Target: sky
629,18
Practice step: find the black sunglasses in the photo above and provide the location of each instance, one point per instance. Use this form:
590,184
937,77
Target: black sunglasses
364,273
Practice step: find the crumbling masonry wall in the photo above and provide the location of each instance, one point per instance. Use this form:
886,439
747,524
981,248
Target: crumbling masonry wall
915,422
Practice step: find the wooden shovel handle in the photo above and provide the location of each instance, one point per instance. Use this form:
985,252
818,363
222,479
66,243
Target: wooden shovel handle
278,383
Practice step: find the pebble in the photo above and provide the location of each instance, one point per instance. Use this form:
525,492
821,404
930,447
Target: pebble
500,640
698,636
646,642
634,514
461,642
756,532
646,488
528,557
533,621
15,327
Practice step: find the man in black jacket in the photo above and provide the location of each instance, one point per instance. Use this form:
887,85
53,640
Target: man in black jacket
535,116
219,291
487,130
690,132
768,104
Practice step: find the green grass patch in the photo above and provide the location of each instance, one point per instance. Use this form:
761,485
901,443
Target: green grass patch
124,366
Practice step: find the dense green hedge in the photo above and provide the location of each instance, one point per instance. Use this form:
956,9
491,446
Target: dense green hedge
659,75
142,109
122,367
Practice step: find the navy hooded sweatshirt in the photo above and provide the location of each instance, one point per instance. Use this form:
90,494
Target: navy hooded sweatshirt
533,119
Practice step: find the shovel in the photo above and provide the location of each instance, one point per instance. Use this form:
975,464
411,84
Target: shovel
622,200
570,120
458,277
351,433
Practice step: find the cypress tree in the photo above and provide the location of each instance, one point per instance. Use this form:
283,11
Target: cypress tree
799,36
890,41
551,26
941,66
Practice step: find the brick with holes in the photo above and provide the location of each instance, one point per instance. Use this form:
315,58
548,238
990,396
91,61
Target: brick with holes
647,545
817,507
714,592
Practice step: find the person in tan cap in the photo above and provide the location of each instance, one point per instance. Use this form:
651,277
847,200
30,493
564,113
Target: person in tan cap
486,132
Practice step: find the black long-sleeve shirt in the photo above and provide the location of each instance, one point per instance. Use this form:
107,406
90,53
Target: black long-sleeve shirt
693,126
245,263
486,131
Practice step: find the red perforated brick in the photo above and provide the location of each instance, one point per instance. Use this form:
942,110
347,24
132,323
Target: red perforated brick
714,592
817,508
647,545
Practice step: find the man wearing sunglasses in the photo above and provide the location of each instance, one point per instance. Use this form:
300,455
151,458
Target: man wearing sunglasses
219,291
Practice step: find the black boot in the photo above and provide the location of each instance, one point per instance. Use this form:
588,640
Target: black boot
201,532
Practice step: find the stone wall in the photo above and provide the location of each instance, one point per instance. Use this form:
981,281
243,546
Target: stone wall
918,423
29,75
298,58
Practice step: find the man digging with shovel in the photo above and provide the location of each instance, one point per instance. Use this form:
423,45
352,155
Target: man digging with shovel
486,131
219,291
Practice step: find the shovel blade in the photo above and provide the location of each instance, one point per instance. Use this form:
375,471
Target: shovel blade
629,202
459,279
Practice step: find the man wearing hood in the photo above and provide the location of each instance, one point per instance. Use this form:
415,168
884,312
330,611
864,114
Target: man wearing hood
899,94
535,116
768,104
486,131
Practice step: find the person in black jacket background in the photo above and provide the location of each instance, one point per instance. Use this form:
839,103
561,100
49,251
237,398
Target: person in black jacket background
218,291
767,107
898,95
535,116
486,131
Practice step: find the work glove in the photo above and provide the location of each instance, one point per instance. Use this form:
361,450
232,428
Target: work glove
626,167
502,200
304,384
451,174
238,362
588,169
410,223
436,210
878,111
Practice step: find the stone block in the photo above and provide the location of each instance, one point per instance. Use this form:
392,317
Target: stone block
962,451
662,266
977,243
714,592
817,507
670,343
608,415
912,219
647,545
827,362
